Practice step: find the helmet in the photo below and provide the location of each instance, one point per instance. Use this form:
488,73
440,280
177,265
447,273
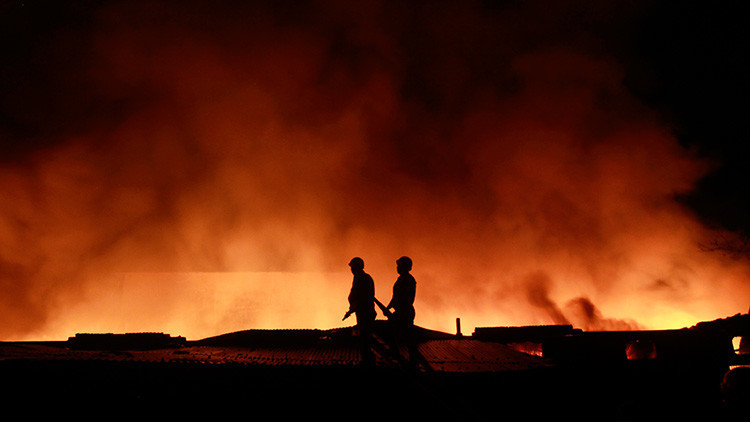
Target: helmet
404,262
357,262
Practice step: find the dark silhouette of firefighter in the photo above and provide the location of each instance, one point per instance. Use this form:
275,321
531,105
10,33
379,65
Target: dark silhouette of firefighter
402,303
362,305
404,292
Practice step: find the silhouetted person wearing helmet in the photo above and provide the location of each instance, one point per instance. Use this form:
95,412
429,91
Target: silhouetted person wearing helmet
402,303
404,292
362,304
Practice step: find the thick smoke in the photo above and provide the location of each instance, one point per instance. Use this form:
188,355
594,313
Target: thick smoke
495,146
538,295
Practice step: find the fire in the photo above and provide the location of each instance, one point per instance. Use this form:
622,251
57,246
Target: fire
242,164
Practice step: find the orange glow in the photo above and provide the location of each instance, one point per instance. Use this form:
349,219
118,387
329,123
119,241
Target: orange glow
236,192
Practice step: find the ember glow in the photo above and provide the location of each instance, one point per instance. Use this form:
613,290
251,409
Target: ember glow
229,161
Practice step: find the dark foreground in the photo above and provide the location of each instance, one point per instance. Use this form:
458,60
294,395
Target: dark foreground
176,383
103,390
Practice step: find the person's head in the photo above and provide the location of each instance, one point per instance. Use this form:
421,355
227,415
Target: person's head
403,265
357,265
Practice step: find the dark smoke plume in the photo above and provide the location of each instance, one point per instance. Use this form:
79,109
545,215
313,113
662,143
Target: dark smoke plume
538,285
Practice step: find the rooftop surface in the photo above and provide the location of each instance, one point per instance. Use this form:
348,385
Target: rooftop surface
318,348
542,373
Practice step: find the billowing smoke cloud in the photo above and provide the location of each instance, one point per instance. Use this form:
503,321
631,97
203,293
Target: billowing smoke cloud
538,295
587,317
209,142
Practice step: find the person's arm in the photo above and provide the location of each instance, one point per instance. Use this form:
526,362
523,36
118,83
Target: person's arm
352,299
347,314
392,303
412,291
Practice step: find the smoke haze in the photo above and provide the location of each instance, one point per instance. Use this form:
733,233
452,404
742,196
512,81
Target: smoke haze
203,168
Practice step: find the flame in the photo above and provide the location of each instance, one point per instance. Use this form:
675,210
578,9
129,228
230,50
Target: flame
241,164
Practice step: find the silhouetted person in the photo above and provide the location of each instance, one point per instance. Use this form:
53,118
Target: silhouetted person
404,292
402,303
362,304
